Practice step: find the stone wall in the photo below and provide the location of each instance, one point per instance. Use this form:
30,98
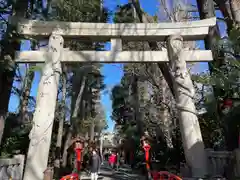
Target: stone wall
220,164
12,168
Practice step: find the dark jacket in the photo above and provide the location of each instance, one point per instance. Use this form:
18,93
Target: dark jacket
95,163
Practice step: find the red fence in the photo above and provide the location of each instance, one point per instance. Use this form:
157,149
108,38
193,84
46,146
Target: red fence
162,175
73,176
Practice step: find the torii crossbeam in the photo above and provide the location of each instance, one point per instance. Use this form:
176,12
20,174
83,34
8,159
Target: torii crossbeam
113,56
193,30
173,33
115,32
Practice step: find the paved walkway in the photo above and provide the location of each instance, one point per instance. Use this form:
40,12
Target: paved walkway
124,173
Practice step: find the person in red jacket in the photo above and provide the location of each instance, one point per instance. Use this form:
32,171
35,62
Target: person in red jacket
112,160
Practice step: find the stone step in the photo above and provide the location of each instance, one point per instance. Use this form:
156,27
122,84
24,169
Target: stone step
124,169
89,177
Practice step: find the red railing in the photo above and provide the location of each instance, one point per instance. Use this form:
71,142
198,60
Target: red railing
73,176
162,175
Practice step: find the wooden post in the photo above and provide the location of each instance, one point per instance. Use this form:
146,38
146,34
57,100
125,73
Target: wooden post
40,135
189,126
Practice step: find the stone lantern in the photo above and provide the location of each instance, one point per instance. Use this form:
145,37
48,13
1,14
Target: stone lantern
78,145
78,150
145,140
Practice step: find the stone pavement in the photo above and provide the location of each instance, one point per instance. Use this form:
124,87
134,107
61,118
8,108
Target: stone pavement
124,173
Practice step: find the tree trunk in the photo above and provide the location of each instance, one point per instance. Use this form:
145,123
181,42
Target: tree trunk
90,110
153,45
235,8
207,10
92,131
137,113
26,89
10,45
5,92
75,107
190,129
79,98
41,132
61,124
165,115
66,146
226,12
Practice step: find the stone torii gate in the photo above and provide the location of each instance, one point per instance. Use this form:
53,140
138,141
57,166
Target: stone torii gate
176,55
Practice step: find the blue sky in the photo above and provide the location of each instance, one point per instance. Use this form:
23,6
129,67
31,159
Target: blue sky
112,72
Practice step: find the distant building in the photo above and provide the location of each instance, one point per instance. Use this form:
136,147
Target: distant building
109,140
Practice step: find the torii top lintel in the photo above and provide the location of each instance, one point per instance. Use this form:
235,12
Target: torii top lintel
193,30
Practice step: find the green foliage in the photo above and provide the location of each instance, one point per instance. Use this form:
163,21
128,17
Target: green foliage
80,11
15,137
226,77
122,112
219,132
234,37
124,14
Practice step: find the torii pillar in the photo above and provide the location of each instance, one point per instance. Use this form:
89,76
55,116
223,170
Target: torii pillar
184,93
40,135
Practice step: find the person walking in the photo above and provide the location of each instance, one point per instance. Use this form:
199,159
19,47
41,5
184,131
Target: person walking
118,161
112,160
100,156
95,165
